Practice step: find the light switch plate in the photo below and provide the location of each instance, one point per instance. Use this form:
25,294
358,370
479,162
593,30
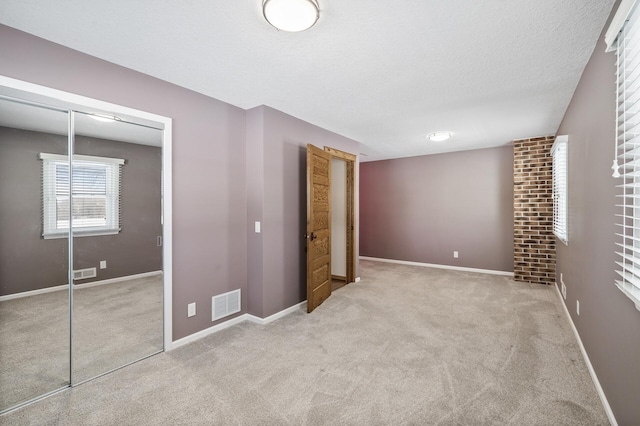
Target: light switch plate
191,309
103,264
257,227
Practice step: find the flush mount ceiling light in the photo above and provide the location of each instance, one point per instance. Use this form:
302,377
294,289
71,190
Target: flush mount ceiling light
439,136
291,15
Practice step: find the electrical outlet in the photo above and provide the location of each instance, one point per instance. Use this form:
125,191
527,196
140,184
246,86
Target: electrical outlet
578,307
191,309
455,254
103,264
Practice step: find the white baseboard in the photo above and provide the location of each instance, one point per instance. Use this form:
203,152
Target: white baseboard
237,320
34,292
435,265
277,315
592,372
207,331
77,286
117,279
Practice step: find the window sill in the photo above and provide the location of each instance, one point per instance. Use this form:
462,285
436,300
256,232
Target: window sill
94,233
562,238
631,292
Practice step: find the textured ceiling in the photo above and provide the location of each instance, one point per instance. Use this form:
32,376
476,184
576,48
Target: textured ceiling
383,73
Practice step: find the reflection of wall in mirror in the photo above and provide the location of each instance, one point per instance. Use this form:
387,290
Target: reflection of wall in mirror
29,262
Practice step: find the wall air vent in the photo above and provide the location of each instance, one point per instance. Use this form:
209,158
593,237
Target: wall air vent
81,274
225,304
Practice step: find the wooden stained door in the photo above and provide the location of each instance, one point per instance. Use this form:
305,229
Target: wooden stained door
318,234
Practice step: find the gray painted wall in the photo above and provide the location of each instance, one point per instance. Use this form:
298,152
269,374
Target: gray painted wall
209,199
609,324
421,209
28,262
276,196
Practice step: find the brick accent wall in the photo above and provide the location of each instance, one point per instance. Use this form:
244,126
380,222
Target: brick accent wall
534,242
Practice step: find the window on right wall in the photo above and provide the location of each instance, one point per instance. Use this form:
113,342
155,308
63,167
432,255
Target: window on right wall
624,37
559,154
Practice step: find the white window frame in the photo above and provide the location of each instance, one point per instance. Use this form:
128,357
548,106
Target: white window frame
560,182
623,36
50,229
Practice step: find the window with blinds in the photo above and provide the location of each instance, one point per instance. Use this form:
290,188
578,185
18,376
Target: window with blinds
559,154
627,166
88,197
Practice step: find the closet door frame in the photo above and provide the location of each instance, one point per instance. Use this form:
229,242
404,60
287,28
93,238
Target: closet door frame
166,124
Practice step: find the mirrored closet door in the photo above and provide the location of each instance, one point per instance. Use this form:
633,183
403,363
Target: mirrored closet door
81,244
34,273
117,244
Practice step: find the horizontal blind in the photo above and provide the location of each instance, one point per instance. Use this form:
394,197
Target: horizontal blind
628,156
559,152
89,200
52,205
113,181
91,195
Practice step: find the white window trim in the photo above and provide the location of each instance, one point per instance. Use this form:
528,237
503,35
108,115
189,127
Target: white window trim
48,208
561,141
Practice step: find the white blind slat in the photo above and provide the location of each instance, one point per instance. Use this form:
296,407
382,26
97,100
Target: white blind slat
627,247
630,258
629,277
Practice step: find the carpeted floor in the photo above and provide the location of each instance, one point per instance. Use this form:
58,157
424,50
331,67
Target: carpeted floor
406,345
114,324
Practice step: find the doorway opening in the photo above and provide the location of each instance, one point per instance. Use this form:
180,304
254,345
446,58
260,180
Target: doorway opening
320,232
342,218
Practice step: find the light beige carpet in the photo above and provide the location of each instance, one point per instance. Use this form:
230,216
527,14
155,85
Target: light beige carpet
114,324
406,345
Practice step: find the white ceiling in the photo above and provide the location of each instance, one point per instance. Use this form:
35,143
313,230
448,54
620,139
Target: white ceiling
384,73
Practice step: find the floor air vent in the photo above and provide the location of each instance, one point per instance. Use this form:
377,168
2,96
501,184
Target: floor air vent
81,274
225,304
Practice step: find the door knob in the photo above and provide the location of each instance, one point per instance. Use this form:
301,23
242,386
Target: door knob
311,237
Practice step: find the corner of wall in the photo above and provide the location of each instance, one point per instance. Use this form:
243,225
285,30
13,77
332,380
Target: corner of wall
534,242
254,157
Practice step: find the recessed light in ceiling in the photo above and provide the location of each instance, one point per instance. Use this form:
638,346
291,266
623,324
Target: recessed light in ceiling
439,136
291,15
